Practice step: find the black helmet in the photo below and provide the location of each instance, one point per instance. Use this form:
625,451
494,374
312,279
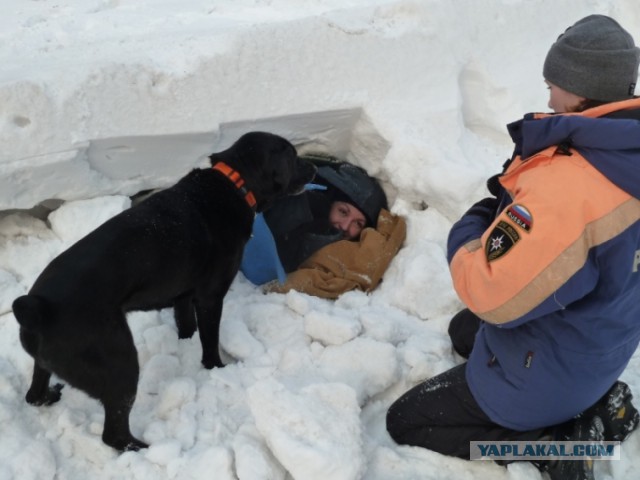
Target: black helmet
356,185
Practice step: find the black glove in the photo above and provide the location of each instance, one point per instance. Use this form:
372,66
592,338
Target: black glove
487,207
493,185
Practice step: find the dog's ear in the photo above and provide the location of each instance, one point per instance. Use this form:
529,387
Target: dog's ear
219,157
254,148
269,165
284,174
274,165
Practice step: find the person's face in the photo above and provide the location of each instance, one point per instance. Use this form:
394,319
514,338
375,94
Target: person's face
347,218
561,101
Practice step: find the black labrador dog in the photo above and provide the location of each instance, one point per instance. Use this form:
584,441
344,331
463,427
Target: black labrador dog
180,247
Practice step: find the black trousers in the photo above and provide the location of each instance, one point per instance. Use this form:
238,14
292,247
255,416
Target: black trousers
441,413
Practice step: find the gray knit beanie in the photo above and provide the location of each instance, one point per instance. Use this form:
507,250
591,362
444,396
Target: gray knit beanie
595,58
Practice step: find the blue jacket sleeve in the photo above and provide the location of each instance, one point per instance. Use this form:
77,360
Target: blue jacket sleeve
260,260
472,225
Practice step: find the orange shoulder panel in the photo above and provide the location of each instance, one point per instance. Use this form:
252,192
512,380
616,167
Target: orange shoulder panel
562,206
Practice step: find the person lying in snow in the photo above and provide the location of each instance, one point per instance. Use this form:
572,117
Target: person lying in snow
335,237
549,269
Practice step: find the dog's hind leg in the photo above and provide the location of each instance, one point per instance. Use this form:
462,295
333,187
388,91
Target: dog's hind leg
39,392
120,372
116,431
104,364
185,315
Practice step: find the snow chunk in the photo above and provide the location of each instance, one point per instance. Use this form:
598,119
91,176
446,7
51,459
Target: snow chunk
331,329
177,393
315,434
73,220
11,289
254,460
163,453
157,369
367,365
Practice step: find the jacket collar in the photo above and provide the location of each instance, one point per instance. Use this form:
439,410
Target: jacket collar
607,136
600,127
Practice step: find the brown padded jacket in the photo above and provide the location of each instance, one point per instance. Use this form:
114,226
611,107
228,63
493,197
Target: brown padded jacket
346,265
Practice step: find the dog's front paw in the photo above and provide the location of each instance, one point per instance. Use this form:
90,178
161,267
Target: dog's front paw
50,396
210,362
186,331
135,445
127,443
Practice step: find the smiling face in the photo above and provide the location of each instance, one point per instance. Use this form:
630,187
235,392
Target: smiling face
347,218
561,101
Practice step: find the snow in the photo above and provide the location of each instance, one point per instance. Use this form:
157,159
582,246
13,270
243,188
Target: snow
102,99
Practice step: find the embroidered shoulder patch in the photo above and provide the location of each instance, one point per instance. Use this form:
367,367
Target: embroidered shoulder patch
502,238
521,216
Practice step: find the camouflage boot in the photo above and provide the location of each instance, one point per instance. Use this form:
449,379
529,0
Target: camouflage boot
586,429
618,414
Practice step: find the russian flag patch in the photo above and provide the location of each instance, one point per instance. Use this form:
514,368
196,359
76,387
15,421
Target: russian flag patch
519,215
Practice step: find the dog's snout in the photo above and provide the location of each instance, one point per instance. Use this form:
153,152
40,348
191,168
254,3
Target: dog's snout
304,173
309,169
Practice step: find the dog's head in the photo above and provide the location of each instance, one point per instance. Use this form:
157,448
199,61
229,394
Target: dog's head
269,165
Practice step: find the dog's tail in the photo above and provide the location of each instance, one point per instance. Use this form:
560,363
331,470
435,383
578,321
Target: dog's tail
30,311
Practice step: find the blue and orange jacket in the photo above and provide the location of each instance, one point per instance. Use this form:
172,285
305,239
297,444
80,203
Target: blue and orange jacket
555,275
